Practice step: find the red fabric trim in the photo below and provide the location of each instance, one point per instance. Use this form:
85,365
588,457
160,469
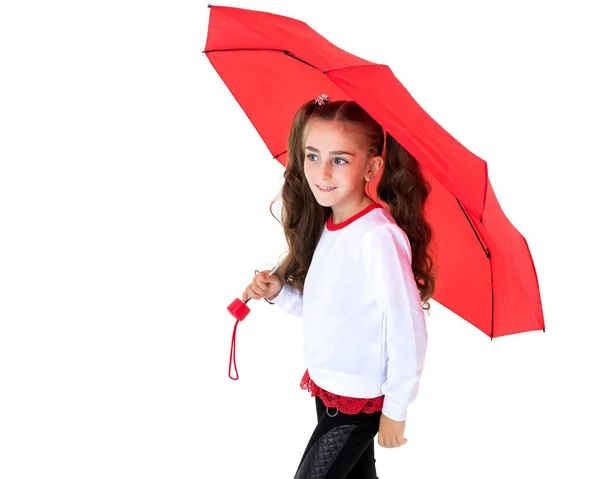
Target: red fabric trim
331,226
344,404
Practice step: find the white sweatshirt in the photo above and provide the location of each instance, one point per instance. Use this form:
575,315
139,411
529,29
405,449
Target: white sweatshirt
362,318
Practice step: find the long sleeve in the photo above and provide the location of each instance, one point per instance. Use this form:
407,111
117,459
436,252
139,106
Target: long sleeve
289,300
387,257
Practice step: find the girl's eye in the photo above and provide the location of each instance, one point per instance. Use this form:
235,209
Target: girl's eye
337,158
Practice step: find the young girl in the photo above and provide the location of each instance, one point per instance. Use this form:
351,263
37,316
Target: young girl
360,276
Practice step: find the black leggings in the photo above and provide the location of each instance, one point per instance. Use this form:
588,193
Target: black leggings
341,447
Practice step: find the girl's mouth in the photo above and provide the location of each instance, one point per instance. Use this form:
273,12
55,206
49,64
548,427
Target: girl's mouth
326,189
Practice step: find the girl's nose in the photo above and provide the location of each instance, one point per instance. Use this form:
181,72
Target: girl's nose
326,171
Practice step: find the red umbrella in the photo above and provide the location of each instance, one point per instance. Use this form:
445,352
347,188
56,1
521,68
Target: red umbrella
272,64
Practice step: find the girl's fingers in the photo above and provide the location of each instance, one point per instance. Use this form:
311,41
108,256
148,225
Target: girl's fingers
264,279
260,286
258,289
249,294
391,441
257,292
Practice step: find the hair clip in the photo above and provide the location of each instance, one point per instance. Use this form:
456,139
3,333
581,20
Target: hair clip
323,98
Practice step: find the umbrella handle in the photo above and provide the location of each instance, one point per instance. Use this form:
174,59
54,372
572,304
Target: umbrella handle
239,310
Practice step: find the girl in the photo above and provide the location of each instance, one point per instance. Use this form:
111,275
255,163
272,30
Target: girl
360,276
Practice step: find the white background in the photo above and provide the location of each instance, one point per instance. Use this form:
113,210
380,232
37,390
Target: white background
134,207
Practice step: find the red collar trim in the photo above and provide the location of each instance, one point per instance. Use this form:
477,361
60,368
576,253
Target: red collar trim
331,226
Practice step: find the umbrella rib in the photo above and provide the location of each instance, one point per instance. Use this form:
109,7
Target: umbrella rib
486,251
285,52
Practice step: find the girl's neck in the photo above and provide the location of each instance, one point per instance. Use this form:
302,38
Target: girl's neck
344,212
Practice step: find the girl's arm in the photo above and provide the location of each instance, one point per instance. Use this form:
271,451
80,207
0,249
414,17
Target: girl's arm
387,258
289,300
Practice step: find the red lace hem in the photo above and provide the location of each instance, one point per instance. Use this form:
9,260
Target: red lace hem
347,405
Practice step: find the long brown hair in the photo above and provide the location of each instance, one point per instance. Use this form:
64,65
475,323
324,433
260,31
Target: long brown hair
401,187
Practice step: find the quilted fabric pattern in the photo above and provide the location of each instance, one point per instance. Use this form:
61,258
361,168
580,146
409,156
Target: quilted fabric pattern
323,452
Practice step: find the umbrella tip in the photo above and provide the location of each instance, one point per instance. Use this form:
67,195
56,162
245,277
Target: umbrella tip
209,5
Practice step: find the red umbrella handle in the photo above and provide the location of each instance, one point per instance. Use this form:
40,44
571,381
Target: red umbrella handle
239,311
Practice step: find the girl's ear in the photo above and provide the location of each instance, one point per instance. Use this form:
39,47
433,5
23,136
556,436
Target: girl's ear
375,165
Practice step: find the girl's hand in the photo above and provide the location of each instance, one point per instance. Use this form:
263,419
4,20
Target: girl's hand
264,285
391,433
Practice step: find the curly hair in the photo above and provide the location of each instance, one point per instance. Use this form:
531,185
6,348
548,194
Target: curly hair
401,189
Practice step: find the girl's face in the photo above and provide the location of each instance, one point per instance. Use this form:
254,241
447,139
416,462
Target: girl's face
335,157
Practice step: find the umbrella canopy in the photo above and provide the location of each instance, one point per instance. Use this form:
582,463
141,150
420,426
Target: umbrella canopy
272,64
